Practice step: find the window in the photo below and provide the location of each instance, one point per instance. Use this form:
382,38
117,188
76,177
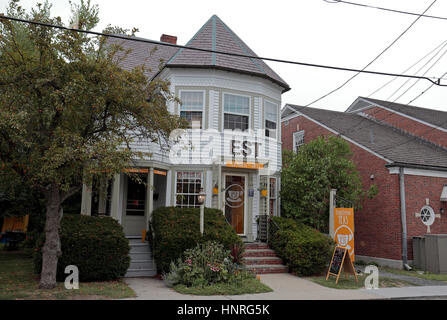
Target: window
192,106
270,116
187,188
236,112
298,140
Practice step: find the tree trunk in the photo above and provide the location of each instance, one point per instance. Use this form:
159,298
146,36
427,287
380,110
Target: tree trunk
52,248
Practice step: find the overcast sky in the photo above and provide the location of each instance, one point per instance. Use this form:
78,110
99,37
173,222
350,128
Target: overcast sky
311,31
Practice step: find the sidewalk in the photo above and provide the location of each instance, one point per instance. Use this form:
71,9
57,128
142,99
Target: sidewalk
286,287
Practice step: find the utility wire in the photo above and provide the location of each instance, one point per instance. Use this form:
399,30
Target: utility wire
423,92
406,70
415,82
434,80
372,61
385,9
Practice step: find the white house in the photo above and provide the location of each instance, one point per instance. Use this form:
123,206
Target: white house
233,104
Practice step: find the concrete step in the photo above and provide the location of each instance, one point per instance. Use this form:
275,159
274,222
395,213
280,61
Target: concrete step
141,264
267,268
140,256
249,261
133,273
259,253
140,247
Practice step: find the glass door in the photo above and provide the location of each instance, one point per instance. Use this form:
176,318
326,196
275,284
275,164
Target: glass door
235,201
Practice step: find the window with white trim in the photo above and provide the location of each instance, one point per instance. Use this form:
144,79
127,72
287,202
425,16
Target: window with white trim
236,112
271,119
298,140
191,108
188,186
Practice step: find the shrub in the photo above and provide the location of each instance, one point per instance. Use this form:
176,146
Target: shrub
305,250
206,264
174,230
96,245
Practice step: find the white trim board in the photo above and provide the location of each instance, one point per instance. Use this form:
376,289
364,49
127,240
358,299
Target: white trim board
393,111
419,172
298,114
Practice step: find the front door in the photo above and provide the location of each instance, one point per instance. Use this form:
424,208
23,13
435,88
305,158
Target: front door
235,188
135,217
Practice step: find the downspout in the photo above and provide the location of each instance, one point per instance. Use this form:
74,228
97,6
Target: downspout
403,217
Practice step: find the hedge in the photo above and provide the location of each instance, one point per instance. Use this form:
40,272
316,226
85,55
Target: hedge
96,245
305,250
173,230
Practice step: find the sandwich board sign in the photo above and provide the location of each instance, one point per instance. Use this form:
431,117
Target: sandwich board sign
344,229
340,261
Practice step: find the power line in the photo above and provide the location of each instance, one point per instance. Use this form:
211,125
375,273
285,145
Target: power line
385,9
434,80
423,92
372,61
406,70
415,82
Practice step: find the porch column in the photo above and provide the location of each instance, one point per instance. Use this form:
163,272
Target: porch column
115,210
168,189
86,202
102,203
149,196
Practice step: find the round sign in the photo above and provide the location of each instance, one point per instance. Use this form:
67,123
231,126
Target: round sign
234,196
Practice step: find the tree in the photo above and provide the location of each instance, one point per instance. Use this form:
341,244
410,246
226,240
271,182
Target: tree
68,112
308,176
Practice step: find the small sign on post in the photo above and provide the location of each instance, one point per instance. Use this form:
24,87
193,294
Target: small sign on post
340,261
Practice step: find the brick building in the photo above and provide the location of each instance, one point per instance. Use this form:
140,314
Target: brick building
400,148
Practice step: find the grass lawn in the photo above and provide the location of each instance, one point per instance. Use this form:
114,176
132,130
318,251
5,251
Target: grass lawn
250,285
415,273
349,283
17,281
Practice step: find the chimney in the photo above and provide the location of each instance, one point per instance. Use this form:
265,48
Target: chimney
168,38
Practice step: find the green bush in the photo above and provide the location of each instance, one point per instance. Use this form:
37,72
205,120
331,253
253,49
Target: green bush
207,264
174,230
96,245
305,250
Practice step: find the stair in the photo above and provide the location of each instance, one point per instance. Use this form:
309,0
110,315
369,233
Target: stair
141,260
261,259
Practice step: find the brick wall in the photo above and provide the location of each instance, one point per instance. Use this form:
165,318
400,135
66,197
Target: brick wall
378,224
408,125
417,189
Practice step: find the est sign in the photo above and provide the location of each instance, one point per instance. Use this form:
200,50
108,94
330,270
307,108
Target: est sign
344,229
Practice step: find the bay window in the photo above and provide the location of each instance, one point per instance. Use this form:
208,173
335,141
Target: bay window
236,112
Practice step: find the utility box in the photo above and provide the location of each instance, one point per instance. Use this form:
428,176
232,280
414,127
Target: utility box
436,253
419,253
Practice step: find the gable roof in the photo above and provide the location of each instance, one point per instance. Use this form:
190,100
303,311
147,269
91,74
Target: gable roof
386,141
213,35
434,117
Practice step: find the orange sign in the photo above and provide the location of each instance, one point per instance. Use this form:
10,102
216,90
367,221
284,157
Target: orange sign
245,165
344,229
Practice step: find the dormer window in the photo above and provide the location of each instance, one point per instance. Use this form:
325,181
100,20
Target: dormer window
191,108
271,118
236,112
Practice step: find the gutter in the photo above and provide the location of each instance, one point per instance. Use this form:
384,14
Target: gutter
415,166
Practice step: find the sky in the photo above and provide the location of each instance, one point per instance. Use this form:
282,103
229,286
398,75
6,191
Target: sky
310,31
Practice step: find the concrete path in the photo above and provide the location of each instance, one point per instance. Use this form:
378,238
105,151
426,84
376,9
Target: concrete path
424,292
285,286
